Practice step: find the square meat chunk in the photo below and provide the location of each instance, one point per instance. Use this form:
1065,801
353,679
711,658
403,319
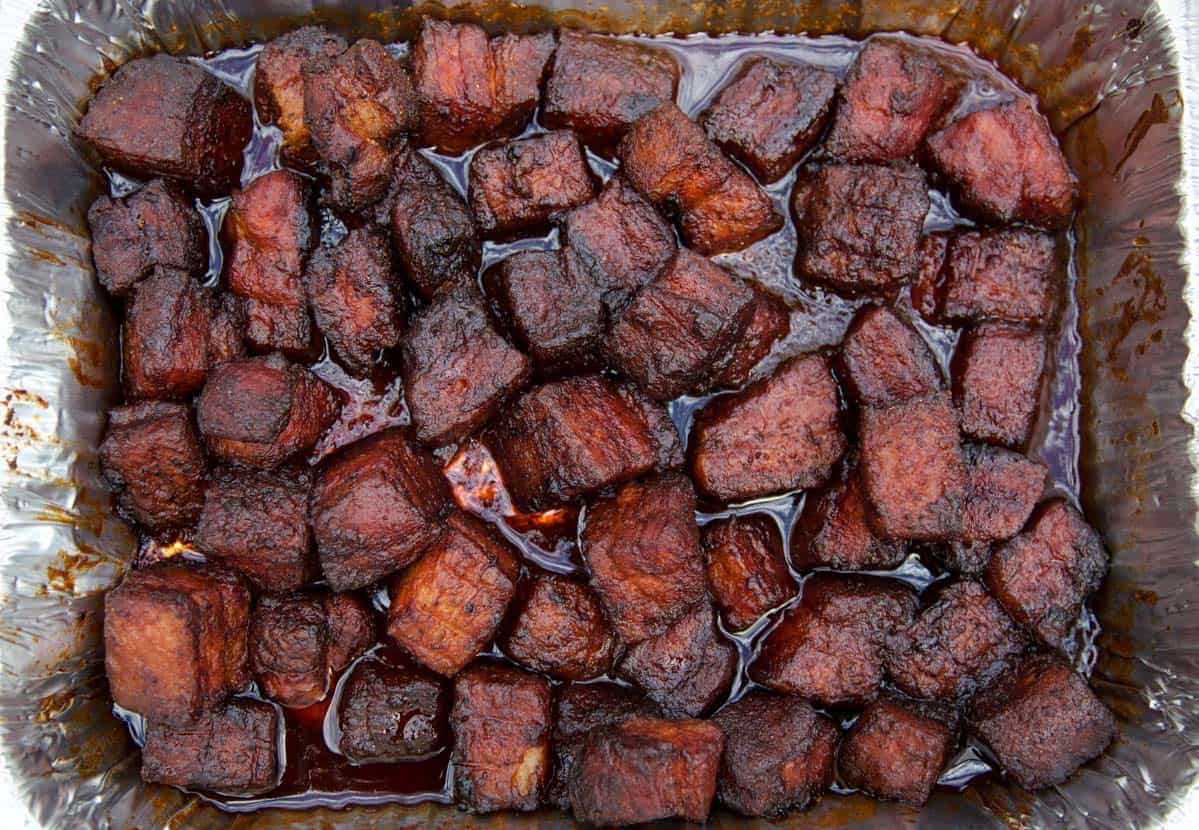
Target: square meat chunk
289,643
391,714
859,226
351,628
676,329
521,185
164,340
458,370
830,648
834,531
157,226
558,628
642,548
778,434
474,89
779,754
568,438
886,361
376,505
1042,721
501,721
1044,575
895,751
747,573
234,749
151,456
286,329
279,86
227,331
769,322
770,114
890,98
1009,274
449,605
997,373
1006,166
598,85
644,769
669,159
1003,489
166,116
930,265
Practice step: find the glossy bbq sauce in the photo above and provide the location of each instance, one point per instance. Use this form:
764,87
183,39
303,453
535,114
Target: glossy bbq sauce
315,772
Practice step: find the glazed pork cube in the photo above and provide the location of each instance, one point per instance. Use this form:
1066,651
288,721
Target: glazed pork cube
645,769
997,371
164,340
449,605
770,114
890,98
669,159
834,530
474,89
1044,575
859,226
642,548
1009,274
376,505
227,331
155,227
769,322
1006,166
830,648
261,411
930,267
355,298
895,751
675,329
520,185
166,116
781,433
1042,721
232,750
779,754
286,329
559,629
501,722
279,86
458,370
1003,488
391,714
886,361
175,640
747,573
598,86
351,628
289,642
568,438
151,456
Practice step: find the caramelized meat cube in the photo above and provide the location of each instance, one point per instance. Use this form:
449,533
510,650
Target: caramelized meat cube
151,456
926,286
769,322
287,329
279,86
289,641
645,769
376,505
351,629
831,647
226,334
1044,575
560,630
770,114
886,360
448,605
688,668
642,547
598,86
569,438
261,411
232,750
1006,166
166,116
781,433
155,227
501,723
895,751
747,573
164,341
997,382
779,754
473,89
521,185
1007,274
1042,721
354,298
912,468
859,226
887,104
390,714
673,163
1004,487
834,532
961,557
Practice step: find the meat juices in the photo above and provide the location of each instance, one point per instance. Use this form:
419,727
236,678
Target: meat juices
747,573
559,629
279,86
392,714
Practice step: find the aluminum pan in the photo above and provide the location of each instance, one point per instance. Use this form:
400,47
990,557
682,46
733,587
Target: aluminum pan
1107,76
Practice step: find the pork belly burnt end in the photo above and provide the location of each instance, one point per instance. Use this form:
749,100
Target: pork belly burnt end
1010,274
997,372
834,531
473,89
669,160
558,628
289,642
1003,488
390,714
747,573
151,456
568,438
226,335
164,340
279,86
886,361
351,628
501,722
770,114
376,505
166,116
895,751
769,322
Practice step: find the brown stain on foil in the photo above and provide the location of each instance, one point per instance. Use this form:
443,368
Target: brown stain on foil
61,575
1158,113
1146,306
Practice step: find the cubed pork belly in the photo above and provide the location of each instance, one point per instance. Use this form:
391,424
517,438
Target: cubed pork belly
747,573
391,714
834,530
1007,274
227,331
997,373
886,361
286,329
1003,488
927,285
895,751
558,628
351,628
279,86
164,340
289,642
769,322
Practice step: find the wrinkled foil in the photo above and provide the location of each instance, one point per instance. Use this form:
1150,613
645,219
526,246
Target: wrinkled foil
1108,76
